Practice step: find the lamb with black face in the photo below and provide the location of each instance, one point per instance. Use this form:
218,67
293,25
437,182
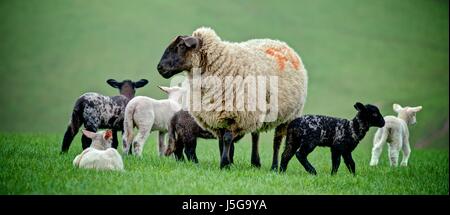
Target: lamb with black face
304,134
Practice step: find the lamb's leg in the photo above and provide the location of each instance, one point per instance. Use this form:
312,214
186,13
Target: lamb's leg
227,137
72,130
349,162
378,142
335,160
161,144
178,152
406,151
190,151
302,157
291,146
85,141
232,153
115,142
280,133
255,153
140,139
394,151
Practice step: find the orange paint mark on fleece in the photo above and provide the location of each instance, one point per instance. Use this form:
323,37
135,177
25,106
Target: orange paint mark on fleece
281,58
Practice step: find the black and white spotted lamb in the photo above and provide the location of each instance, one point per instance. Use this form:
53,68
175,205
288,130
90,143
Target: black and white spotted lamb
96,111
341,135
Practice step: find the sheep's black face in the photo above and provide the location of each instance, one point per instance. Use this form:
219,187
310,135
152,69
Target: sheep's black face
127,87
371,114
176,56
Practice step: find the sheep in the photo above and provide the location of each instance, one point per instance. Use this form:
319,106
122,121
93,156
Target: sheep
99,155
97,111
148,115
205,53
183,133
396,133
341,135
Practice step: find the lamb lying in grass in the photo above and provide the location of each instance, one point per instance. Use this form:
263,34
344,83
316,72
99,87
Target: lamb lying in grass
99,155
396,133
341,135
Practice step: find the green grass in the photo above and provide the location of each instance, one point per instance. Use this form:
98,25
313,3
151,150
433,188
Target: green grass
379,52
31,164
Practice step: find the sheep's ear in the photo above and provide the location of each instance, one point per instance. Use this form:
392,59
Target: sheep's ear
416,109
114,83
397,108
107,135
190,42
89,134
359,106
140,83
165,89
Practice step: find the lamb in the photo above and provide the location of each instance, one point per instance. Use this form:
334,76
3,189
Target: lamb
148,115
97,111
254,59
99,155
396,133
341,135
183,134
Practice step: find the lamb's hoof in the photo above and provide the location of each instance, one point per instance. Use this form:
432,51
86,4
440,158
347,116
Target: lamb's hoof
225,165
275,168
256,164
373,163
404,164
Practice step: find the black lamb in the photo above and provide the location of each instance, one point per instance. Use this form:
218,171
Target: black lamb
341,135
96,111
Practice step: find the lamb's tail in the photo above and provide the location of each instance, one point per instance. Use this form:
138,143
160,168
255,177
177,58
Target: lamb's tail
172,133
128,125
74,125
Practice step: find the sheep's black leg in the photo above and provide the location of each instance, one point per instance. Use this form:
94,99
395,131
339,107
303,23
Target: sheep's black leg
302,157
227,142
115,141
232,153
190,151
72,130
255,153
280,132
335,160
178,152
85,141
68,138
290,148
349,162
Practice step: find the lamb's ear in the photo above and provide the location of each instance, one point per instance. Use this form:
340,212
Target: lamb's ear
89,134
190,42
164,89
107,135
397,108
416,109
359,106
114,83
140,83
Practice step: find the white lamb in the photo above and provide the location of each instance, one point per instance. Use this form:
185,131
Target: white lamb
148,115
99,155
396,133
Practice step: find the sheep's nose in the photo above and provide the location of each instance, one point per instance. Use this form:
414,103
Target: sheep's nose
159,67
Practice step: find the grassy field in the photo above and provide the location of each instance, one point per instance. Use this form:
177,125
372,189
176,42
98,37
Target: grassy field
41,170
377,52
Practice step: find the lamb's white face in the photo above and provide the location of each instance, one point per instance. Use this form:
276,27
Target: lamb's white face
174,93
102,137
407,113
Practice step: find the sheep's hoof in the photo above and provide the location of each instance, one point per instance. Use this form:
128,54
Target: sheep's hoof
225,165
275,168
256,164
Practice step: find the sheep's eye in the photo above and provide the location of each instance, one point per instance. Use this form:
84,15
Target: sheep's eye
375,114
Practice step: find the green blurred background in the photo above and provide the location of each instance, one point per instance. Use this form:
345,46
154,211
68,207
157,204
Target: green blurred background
380,52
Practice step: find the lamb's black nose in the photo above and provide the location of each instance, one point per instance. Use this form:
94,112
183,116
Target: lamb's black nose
159,67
